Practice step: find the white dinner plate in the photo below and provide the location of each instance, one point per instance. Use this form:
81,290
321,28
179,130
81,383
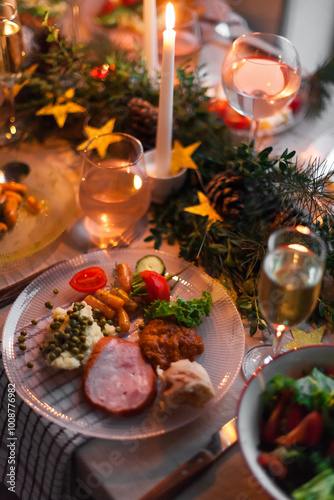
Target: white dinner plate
34,232
58,395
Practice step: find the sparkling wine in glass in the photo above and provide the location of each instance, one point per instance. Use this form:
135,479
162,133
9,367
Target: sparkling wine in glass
12,56
289,286
114,189
261,74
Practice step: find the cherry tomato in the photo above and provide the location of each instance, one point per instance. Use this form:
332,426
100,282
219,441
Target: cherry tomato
89,280
157,286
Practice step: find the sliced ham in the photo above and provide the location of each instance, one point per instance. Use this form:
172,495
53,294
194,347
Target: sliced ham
118,379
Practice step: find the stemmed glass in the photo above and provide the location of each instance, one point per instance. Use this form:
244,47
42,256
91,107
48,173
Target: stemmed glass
261,74
114,190
289,286
11,59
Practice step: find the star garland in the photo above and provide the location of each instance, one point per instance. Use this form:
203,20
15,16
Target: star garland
102,141
62,107
181,157
204,209
302,339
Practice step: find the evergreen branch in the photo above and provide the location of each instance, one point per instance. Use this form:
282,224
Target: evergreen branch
318,88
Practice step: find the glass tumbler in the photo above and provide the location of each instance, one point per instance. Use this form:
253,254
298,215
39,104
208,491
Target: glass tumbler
114,190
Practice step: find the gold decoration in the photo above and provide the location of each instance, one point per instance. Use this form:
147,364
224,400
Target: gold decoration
61,108
181,157
204,208
302,339
18,86
102,143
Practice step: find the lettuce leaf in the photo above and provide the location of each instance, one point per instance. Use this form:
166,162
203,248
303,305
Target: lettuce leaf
187,312
320,486
315,391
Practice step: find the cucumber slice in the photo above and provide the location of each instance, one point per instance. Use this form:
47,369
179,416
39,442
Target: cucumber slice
151,263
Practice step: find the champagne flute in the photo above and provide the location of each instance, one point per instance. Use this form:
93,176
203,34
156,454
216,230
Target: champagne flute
261,74
11,59
289,287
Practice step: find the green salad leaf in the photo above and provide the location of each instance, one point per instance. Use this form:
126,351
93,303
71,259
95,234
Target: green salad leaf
187,312
314,391
320,486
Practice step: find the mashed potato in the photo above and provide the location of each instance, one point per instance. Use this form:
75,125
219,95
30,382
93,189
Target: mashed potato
70,340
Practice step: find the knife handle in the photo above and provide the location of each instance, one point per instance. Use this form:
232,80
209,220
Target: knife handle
180,477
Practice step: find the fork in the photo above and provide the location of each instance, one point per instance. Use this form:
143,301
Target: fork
9,293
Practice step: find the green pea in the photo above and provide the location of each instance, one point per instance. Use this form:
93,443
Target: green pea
52,356
22,347
80,357
34,321
58,350
118,329
65,347
75,350
21,338
49,305
84,347
90,322
24,332
30,364
75,339
141,326
55,291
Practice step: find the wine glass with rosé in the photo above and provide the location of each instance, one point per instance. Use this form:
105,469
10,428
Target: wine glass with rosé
114,190
261,74
289,286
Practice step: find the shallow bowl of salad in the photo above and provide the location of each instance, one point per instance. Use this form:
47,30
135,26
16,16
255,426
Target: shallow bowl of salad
286,424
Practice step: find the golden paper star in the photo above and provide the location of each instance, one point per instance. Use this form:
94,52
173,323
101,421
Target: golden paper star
102,143
181,157
204,208
302,338
18,86
61,108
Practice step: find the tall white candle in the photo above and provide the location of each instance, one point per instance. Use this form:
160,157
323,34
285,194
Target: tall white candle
165,117
150,36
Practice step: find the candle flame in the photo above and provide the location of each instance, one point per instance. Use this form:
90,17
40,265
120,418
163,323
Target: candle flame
303,229
170,16
298,247
280,330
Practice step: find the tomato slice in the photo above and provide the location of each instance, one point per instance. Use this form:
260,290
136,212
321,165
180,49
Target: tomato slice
89,280
157,286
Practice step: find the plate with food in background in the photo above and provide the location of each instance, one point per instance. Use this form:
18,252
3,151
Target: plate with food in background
100,358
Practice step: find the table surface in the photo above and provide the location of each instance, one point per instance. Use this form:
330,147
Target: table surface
112,470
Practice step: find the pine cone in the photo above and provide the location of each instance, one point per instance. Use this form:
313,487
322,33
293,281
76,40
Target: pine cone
144,120
225,192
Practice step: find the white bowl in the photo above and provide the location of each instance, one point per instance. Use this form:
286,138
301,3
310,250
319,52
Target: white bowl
291,363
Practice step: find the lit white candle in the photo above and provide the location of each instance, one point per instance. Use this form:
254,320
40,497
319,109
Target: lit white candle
150,36
165,117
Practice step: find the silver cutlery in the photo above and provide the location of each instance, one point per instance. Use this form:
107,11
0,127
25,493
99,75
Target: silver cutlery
9,293
221,440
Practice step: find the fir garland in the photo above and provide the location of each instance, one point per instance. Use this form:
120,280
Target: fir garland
273,191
